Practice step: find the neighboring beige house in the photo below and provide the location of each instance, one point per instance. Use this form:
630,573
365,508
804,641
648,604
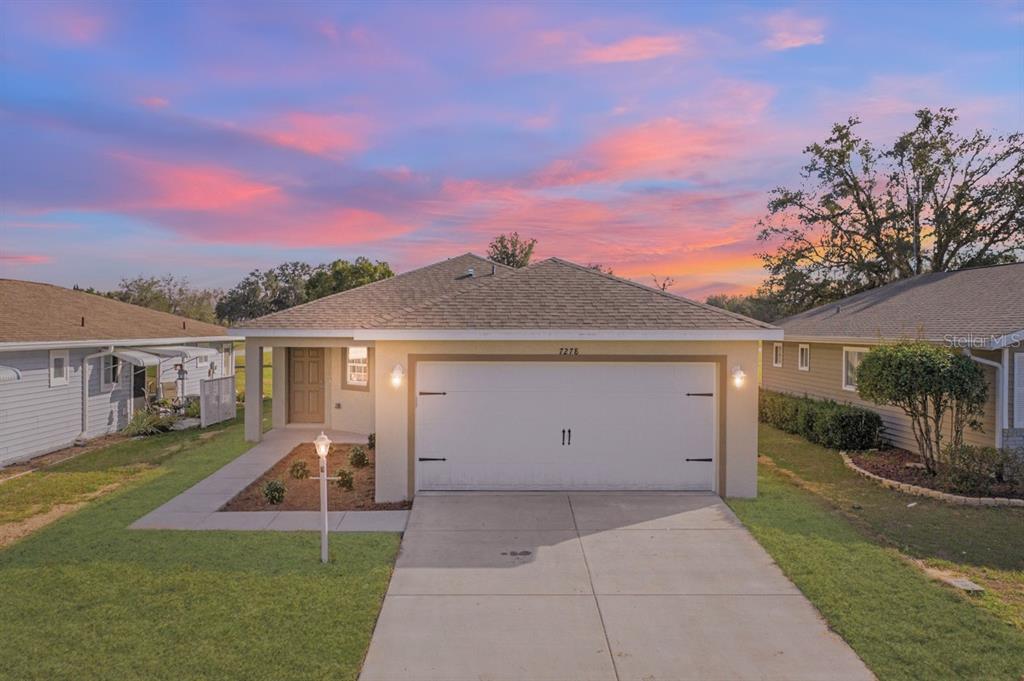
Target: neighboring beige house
979,310
74,365
476,376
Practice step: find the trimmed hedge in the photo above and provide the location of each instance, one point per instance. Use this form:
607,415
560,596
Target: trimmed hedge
823,422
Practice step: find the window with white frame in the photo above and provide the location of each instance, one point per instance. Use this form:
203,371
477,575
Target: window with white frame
851,361
357,367
804,357
58,367
111,374
777,354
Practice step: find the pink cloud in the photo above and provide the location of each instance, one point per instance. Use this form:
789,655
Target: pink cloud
72,26
636,48
662,148
788,30
24,258
154,102
192,187
331,135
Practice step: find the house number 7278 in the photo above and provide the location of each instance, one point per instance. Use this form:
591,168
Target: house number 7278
568,351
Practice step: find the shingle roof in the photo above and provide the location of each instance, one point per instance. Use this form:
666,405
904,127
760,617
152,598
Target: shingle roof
980,302
556,294
356,308
33,312
552,294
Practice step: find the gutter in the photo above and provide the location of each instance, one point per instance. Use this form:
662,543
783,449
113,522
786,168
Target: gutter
100,343
1002,404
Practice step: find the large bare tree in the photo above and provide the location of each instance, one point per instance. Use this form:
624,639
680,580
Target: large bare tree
866,216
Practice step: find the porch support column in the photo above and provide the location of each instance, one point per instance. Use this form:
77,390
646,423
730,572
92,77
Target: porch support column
279,387
253,391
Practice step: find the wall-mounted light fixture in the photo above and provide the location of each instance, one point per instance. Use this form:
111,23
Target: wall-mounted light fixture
739,376
396,376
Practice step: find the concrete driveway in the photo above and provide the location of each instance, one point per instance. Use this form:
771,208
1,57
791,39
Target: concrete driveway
594,586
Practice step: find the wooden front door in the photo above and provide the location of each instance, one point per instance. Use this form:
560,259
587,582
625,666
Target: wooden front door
305,385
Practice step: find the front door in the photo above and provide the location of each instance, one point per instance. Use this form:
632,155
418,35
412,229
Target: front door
305,385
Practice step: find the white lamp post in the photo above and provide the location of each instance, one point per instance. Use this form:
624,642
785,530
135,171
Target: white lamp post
323,446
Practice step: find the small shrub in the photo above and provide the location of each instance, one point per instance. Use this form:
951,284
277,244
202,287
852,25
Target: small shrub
148,422
240,397
192,409
298,470
967,469
273,492
824,422
345,479
839,426
358,457
371,441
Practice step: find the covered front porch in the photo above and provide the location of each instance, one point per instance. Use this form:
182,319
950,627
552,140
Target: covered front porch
317,383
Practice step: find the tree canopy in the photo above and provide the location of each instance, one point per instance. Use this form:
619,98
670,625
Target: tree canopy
166,294
294,283
867,215
511,250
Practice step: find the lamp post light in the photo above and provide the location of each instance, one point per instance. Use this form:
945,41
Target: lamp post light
323,446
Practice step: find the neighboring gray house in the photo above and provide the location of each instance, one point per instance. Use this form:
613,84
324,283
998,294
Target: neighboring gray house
978,310
50,337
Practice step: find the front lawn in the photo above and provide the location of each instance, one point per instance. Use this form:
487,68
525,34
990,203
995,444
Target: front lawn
87,598
846,544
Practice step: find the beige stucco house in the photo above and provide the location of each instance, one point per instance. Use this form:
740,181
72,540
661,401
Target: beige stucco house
476,376
979,311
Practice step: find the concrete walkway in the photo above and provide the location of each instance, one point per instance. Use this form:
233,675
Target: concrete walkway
196,507
594,586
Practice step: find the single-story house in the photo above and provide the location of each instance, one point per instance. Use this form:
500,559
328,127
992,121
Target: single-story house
74,365
477,376
979,311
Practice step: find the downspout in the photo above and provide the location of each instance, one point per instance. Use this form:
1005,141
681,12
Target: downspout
1000,392
85,389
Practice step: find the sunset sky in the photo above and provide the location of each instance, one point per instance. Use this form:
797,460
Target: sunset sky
206,139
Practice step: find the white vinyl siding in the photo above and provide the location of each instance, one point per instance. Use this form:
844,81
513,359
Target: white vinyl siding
58,368
825,378
1018,390
851,361
36,418
804,357
777,354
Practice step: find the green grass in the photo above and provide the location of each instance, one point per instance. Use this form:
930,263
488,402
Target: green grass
268,372
87,598
901,623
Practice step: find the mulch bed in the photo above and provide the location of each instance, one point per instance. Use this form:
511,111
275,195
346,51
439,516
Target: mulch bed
304,495
903,466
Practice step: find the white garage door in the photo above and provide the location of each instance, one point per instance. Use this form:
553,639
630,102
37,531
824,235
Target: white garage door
565,425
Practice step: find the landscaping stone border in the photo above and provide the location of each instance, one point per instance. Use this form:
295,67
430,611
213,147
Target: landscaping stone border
919,491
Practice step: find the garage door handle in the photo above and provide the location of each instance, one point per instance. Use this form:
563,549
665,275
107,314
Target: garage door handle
430,458
693,394
687,459
570,437
563,437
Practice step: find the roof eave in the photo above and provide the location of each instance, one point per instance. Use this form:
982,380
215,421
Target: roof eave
16,346
752,334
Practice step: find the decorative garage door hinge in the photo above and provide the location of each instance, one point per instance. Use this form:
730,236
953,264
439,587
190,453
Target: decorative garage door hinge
687,459
434,458
690,394
430,393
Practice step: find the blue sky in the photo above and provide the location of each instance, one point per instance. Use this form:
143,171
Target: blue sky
208,139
